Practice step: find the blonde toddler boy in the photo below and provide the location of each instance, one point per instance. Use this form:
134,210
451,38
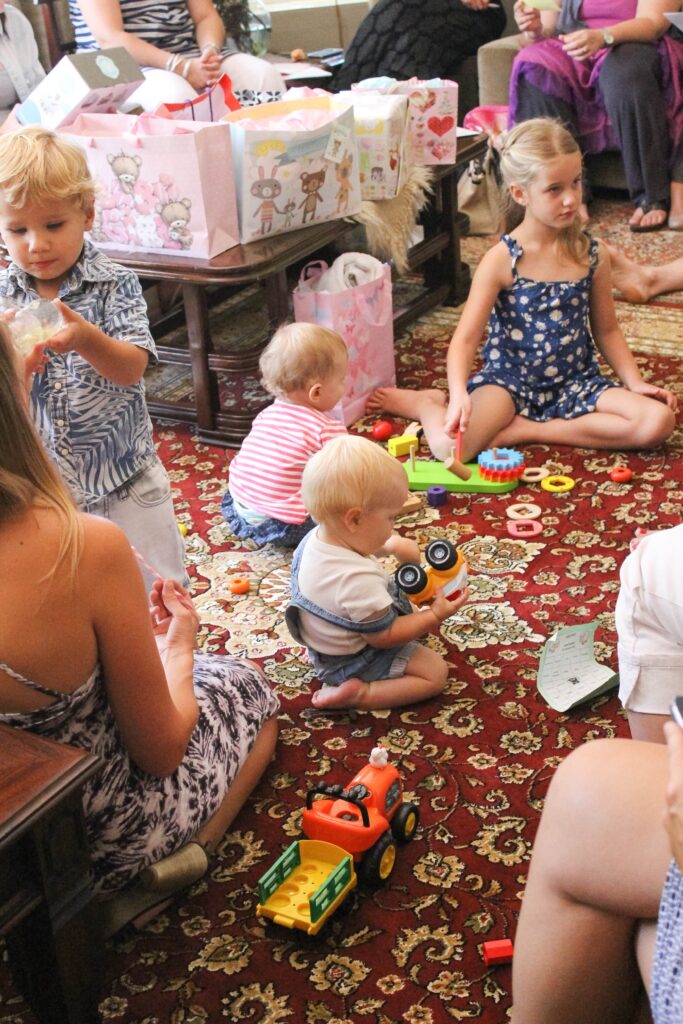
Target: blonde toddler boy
88,403
360,631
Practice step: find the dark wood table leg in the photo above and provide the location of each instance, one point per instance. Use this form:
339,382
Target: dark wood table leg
277,299
457,224
206,397
55,949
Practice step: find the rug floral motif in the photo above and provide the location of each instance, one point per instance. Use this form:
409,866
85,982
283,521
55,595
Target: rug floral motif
477,760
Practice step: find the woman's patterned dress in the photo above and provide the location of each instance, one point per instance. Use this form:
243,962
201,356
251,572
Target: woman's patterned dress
134,818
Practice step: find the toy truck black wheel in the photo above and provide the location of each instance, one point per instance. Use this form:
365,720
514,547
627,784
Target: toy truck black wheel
411,578
441,554
378,862
404,822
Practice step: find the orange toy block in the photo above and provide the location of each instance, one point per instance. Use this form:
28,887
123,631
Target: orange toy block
499,951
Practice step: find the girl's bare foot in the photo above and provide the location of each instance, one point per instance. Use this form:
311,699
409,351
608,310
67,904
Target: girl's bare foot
402,402
343,696
634,281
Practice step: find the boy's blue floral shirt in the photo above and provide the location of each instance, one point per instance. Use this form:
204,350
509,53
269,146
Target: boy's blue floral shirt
98,433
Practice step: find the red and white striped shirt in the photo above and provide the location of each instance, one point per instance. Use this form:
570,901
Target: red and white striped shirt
265,475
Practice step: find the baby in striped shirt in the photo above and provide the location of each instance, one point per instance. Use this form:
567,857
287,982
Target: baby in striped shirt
304,367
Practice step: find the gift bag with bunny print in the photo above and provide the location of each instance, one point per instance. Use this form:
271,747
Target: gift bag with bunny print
296,163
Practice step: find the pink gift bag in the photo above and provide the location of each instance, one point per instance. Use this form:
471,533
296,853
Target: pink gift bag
432,116
211,104
163,185
363,316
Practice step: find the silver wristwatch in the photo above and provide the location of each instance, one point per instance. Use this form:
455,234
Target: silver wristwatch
607,37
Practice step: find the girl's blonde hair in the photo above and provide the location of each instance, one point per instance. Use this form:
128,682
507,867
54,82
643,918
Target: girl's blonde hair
298,355
524,151
27,476
37,166
350,472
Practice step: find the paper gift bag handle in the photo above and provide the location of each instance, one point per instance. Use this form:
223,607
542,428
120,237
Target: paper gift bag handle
313,269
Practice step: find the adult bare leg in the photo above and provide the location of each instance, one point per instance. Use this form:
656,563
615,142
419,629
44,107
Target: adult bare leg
599,863
648,728
638,282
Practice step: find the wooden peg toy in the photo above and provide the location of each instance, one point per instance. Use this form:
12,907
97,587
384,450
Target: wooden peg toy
412,504
457,468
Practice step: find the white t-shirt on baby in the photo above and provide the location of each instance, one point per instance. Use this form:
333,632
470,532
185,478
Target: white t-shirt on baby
345,583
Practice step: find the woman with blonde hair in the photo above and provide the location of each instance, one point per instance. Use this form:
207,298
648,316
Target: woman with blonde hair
183,737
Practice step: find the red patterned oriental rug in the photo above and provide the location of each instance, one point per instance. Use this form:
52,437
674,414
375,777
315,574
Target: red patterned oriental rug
477,761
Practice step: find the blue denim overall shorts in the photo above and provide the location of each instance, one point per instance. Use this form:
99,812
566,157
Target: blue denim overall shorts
369,663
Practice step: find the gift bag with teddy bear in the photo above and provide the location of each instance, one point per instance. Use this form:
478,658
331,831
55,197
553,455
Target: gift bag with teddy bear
162,185
296,163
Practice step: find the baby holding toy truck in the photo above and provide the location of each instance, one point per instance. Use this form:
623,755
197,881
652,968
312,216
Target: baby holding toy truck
304,367
360,631
88,403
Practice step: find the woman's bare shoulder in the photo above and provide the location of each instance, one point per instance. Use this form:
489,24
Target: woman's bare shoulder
104,543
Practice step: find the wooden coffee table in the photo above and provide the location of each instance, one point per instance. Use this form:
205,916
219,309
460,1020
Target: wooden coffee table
47,912
446,278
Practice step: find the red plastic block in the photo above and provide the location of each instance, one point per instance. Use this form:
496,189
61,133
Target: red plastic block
499,951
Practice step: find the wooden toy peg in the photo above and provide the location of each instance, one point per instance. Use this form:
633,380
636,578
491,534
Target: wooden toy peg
412,457
457,468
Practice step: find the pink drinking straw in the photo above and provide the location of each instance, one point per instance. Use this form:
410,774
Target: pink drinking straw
458,446
146,564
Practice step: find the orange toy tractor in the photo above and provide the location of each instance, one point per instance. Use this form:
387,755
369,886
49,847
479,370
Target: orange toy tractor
446,568
367,819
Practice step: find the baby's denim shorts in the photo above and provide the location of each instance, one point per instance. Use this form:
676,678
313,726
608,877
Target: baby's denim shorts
368,664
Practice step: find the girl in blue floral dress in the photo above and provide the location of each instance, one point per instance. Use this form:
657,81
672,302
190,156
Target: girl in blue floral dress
546,291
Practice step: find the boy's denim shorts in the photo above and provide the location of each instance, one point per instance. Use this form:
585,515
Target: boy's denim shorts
368,664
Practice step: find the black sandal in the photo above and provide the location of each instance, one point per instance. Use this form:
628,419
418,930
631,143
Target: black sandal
639,229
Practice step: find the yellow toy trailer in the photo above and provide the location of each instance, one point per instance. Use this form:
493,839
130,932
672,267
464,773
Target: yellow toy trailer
306,884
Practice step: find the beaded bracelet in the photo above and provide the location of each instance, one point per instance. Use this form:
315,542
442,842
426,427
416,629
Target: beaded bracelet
211,46
173,61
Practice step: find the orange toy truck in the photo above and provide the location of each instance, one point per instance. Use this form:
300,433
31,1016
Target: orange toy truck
446,568
367,819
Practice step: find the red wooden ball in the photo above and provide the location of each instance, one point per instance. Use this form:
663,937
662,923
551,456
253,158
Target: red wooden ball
382,430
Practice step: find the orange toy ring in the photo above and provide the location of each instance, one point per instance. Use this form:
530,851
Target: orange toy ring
523,510
523,528
239,585
534,474
557,484
621,474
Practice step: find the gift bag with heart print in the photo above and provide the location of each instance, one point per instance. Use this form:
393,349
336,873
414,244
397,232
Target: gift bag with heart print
432,116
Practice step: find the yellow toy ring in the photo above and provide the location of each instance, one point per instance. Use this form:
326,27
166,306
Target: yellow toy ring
534,474
557,484
523,510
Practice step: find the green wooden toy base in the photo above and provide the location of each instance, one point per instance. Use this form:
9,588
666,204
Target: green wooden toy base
434,474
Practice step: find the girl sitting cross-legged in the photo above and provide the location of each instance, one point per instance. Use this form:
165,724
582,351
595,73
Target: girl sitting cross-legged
545,290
